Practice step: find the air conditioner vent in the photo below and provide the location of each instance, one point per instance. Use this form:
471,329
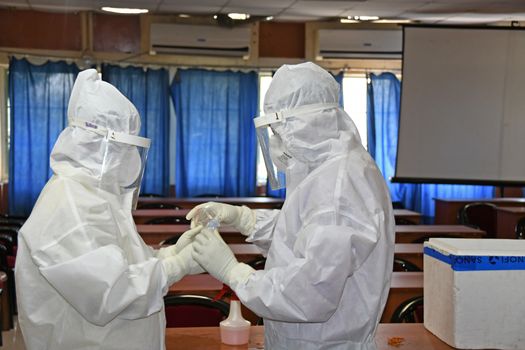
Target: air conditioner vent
208,40
360,43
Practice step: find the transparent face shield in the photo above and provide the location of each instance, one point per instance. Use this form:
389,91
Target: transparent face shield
123,162
275,177
276,158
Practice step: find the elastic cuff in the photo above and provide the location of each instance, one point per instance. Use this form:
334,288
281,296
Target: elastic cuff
239,275
246,221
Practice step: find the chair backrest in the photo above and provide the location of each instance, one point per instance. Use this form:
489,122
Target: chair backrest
409,311
167,220
403,221
169,241
520,228
143,205
257,263
194,311
479,215
404,266
425,238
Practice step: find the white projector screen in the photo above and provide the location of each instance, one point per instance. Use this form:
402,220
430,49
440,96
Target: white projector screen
462,114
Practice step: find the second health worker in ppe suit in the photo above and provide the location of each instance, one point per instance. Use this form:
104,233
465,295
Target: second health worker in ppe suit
330,248
85,279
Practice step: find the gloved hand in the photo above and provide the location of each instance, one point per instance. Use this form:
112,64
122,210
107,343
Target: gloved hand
214,255
241,218
180,265
185,239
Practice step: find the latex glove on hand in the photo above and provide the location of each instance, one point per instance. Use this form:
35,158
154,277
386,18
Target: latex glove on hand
214,255
181,264
184,240
241,218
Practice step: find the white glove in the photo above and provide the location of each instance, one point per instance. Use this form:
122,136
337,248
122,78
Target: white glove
180,265
185,239
241,218
214,255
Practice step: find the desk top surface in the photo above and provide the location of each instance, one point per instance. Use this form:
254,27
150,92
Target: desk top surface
437,229
414,336
513,210
490,200
183,212
205,282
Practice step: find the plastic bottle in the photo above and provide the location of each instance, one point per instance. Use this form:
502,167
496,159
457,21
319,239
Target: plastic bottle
207,219
235,330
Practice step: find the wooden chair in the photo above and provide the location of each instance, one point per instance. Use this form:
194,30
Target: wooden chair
258,263
403,221
405,266
194,311
479,215
520,228
144,205
409,311
169,241
167,220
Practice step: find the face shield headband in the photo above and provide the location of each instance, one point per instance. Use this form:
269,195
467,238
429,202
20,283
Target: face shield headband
262,126
124,158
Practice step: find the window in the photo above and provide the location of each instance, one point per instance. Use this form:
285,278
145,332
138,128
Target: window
265,78
354,98
355,101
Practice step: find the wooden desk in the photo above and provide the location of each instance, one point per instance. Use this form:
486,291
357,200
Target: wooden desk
413,233
188,203
416,337
408,215
404,285
141,216
506,220
446,210
154,234
411,252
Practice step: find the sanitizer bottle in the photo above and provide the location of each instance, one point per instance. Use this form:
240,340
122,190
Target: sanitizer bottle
235,330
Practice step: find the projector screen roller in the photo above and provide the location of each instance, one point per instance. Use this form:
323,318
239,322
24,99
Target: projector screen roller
462,106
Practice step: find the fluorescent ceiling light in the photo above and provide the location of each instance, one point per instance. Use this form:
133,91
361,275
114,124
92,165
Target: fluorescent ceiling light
127,11
269,18
239,16
364,18
347,20
183,15
393,21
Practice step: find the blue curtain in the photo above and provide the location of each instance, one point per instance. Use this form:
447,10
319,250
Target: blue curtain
383,123
148,90
339,78
39,96
216,143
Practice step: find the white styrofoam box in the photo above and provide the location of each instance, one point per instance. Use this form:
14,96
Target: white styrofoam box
474,292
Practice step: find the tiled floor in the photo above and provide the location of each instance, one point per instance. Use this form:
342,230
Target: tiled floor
12,339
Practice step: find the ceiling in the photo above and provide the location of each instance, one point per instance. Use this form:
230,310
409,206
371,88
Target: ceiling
425,11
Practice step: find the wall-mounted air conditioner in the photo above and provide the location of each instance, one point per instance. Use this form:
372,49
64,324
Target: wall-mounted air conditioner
360,43
207,40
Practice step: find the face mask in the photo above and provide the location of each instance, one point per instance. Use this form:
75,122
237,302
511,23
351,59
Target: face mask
279,156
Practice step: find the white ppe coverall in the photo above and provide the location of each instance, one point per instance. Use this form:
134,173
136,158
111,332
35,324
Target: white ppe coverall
330,248
85,279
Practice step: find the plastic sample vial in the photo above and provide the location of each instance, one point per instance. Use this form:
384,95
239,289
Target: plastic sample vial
206,217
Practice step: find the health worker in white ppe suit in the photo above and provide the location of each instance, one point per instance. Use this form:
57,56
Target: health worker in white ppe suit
330,248
85,279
